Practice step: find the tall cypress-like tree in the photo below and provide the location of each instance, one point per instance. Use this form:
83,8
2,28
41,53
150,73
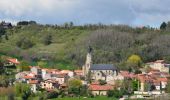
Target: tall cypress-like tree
163,26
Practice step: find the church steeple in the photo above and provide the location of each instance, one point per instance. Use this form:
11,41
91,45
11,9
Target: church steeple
88,62
89,49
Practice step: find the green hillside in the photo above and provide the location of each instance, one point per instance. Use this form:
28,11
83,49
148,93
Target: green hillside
65,47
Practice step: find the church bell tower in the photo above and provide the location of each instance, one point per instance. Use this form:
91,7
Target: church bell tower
88,62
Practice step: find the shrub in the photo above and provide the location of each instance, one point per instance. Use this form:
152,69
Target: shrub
11,96
53,94
24,43
110,93
5,91
102,82
47,39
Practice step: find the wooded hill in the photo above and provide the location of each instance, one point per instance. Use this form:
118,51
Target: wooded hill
65,46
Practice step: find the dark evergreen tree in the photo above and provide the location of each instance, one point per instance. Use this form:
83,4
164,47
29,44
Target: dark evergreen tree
163,26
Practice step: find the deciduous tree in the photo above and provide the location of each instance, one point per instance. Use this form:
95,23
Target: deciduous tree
134,61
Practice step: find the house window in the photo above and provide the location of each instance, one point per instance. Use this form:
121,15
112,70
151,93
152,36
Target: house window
98,74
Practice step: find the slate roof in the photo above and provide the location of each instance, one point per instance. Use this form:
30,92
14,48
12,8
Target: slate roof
103,67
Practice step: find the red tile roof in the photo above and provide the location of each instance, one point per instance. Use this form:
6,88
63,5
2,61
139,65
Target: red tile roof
33,81
126,74
95,83
100,87
52,70
63,85
159,61
13,60
51,81
78,71
28,77
153,70
61,75
65,71
155,78
162,79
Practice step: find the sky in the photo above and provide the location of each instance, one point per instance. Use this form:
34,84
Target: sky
129,12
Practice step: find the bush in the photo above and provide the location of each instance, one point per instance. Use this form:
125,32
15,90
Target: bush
83,90
90,94
24,43
22,89
47,39
74,86
110,93
102,82
118,93
53,94
6,91
24,66
11,96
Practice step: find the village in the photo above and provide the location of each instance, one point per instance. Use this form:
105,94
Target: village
99,79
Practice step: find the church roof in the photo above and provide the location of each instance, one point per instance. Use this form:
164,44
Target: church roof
103,67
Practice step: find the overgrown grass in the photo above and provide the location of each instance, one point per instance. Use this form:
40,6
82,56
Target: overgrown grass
81,98
65,98
62,41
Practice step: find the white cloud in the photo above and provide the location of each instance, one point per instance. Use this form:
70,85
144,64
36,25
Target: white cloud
132,12
22,7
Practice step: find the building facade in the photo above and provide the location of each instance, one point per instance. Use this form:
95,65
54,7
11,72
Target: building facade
98,71
105,72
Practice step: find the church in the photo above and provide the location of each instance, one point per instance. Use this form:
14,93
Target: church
98,71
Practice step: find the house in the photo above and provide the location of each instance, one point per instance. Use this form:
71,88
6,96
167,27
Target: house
53,71
49,84
78,72
159,65
34,85
163,81
44,73
37,71
60,78
68,72
47,73
5,25
25,76
47,76
63,86
97,89
28,78
20,76
98,71
156,81
12,62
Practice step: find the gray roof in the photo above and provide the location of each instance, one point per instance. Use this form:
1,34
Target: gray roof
103,67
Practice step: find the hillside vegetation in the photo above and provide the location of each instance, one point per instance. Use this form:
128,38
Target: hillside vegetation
65,47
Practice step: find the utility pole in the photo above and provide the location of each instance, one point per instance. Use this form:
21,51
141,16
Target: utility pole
138,82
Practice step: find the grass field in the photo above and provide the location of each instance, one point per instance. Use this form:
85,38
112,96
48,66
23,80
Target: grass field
63,41
67,98
95,98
